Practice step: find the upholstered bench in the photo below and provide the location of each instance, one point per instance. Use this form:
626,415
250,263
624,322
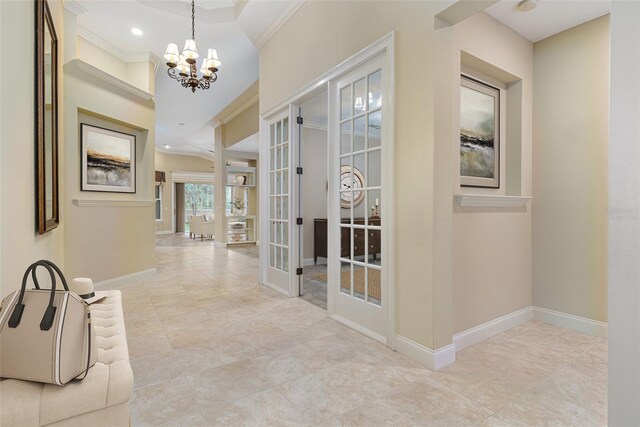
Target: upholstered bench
101,399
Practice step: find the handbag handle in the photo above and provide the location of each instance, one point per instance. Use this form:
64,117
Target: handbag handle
49,314
57,270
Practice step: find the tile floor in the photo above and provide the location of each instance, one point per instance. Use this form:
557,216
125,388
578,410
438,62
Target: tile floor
314,290
209,346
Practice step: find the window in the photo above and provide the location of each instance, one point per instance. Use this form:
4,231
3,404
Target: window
158,202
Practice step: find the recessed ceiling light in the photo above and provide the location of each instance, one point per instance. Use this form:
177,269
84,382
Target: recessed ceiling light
527,5
137,31
167,147
181,123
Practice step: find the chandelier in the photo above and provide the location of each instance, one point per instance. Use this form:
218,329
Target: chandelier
182,66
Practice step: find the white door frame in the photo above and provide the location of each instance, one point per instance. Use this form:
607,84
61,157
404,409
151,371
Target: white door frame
386,47
187,177
292,286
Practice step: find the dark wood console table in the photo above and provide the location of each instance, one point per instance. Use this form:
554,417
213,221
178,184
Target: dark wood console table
320,238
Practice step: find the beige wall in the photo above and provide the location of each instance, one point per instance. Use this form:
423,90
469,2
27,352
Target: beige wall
169,163
492,248
314,195
243,125
95,236
20,244
140,74
303,44
571,124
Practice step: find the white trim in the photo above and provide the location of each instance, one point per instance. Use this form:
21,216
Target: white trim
386,46
491,201
74,7
196,177
306,262
241,109
491,328
106,77
218,244
384,43
276,288
113,50
577,323
359,328
159,233
177,152
435,360
125,279
95,203
275,26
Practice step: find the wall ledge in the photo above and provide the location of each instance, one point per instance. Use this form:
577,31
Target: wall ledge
94,203
114,81
491,201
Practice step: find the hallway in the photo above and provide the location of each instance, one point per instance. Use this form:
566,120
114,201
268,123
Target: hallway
209,346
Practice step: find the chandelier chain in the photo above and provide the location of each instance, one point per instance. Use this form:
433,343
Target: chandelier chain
193,19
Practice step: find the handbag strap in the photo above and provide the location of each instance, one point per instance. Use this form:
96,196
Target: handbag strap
49,314
56,269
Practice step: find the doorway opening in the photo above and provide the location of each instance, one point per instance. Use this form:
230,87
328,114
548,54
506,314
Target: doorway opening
193,199
314,186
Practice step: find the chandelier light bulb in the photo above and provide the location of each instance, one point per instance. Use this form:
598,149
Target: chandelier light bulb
190,51
172,56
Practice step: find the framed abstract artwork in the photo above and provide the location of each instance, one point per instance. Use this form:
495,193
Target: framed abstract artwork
479,134
108,160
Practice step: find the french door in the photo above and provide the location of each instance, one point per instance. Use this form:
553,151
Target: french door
358,198
280,265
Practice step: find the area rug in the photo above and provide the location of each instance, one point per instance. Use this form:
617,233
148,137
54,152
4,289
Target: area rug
358,278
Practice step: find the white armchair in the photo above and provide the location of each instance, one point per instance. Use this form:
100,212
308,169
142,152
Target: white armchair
198,226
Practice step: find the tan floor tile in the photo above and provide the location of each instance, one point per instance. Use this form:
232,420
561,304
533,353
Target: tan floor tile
210,346
266,408
538,408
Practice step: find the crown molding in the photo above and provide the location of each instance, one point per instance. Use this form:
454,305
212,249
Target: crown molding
115,51
278,23
241,109
178,152
74,7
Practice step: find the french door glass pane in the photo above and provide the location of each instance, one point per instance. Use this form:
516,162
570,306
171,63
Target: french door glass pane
375,90
373,129
360,188
345,103
345,137
358,97
358,134
278,203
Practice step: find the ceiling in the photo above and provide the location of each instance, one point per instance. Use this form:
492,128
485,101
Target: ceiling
233,27
549,17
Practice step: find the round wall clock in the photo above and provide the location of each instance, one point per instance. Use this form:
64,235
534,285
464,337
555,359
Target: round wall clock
357,196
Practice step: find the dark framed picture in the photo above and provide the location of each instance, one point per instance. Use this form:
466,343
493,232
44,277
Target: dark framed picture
479,134
108,160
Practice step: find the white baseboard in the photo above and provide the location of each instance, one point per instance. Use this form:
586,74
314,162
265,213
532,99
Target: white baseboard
491,328
158,233
577,323
359,328
307,262
275,288
126,279
217,244
435,360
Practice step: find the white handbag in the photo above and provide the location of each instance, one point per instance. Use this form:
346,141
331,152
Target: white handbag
45,335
